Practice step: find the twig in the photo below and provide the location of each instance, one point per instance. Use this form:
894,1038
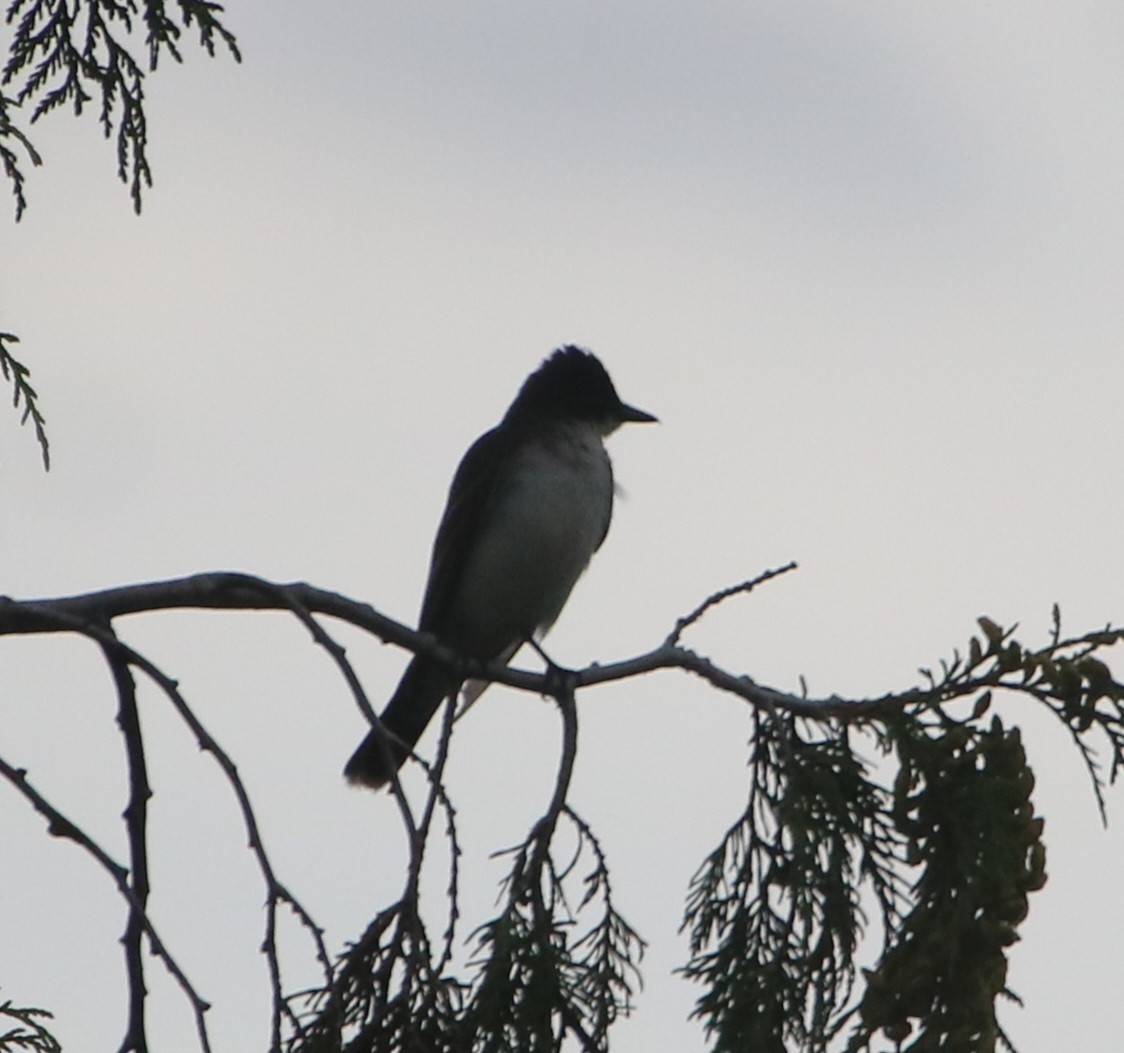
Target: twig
275,890
60,826
135,816
724,594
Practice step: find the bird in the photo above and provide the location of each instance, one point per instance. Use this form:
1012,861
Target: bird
529,505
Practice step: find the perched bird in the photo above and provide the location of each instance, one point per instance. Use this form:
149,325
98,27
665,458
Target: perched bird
529,505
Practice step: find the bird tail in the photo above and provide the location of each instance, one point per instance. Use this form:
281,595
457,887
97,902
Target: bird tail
422,689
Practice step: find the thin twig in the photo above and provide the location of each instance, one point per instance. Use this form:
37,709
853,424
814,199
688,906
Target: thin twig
275,890
724,594
136,817
60,826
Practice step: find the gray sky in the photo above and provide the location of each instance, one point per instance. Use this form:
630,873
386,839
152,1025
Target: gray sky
864,261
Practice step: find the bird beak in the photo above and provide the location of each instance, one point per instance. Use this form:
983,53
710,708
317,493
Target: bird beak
638,416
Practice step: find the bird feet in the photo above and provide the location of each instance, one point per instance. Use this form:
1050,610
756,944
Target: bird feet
560,681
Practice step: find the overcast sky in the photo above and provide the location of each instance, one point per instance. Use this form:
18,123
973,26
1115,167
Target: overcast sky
865,261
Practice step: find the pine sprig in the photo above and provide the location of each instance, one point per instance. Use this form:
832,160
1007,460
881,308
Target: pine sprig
29,1032
10,137
774,914
962,800
76,52
1066,676
951,849
543,969
385,996
22,391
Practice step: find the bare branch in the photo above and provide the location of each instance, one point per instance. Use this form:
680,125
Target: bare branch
277,893
136,818
226,591
724,594
60,826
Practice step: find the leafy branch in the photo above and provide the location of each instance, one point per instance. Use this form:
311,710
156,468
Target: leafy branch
77,52
10,138
774,913
936,839
22,391
1065,676
389,990
962,807
29,1031
541,975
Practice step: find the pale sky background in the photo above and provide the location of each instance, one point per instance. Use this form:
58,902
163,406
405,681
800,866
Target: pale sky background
866,263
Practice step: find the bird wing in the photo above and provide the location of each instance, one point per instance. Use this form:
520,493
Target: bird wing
472,489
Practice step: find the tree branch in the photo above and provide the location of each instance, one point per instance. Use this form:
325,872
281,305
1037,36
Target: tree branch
232,591
136,819
276,892
60,826
537,977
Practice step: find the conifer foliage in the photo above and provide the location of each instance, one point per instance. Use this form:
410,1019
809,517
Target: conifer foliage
868,890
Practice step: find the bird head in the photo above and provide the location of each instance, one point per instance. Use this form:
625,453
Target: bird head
572,384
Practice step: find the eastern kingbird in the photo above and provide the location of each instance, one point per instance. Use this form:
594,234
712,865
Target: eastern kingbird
529,505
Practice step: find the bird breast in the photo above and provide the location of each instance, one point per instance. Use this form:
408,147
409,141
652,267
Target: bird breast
542,528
